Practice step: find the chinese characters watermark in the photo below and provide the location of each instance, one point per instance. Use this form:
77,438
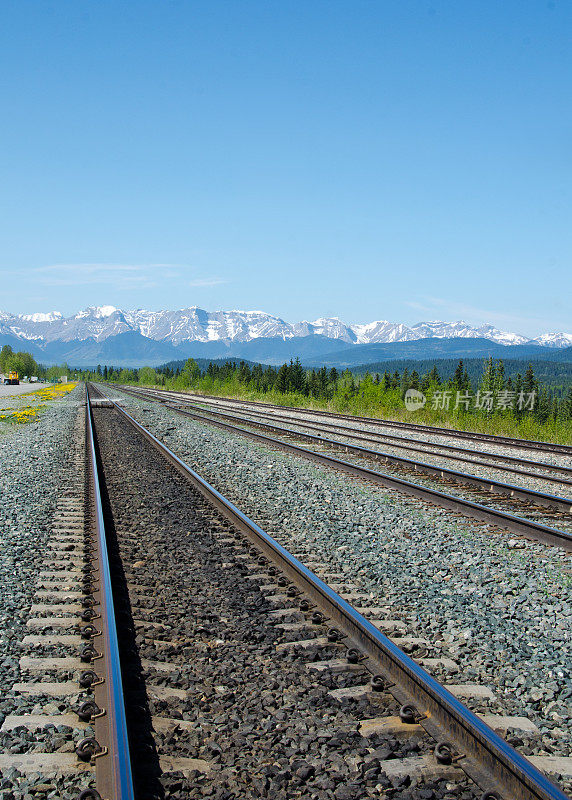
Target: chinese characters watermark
447,399
450,400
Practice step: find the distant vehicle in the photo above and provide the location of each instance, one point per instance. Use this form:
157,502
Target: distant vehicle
64,379
33,379
12,379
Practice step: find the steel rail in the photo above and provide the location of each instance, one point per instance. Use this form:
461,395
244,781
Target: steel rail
525,444
485,757
510,490
421,446
501,519
402,443
113,768
375,438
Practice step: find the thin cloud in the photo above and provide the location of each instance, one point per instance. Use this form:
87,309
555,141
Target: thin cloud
120,276
206,282
93,268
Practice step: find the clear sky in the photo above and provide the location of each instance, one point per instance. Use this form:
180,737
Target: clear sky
388,159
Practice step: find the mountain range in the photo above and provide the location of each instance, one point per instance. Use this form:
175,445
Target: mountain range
105,334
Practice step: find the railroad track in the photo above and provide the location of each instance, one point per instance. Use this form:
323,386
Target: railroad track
507,441
540,470
312,616
261,420
503,493
71,663
139,541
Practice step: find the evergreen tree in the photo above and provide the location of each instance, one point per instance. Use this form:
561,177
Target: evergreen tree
323,381
282,379
488,378
460,377
499,379
567,405
434,377
244,374
529,384
298,377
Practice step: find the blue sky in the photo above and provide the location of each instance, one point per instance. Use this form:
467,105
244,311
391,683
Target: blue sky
368,160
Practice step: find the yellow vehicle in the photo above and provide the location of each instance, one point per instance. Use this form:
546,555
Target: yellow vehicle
12,379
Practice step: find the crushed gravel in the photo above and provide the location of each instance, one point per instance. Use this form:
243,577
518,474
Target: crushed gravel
487,448
489,472
36,460
499,606
262,721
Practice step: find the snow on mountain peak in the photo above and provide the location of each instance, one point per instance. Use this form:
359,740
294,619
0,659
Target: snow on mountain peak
51,316
104,311
554,339
193,324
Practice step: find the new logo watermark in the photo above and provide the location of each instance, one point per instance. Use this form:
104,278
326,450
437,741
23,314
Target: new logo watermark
414,400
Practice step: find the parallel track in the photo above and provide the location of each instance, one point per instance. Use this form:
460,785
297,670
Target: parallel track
540,498
511,464
521,444
483,755
497,517
508,463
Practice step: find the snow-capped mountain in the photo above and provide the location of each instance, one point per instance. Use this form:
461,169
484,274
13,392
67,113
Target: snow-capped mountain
383,331
554,339
197,325
110,335
461,329
332,328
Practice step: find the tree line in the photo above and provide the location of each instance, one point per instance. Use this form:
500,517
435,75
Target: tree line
26,365
493,392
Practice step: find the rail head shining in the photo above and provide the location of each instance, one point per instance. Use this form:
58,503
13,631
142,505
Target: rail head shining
113,769
487,758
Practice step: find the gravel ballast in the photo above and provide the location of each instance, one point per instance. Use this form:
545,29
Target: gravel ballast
489,472
264,723
421,436
499,606
36,461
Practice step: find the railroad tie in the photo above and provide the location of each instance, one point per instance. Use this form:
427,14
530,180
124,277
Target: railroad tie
55,617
